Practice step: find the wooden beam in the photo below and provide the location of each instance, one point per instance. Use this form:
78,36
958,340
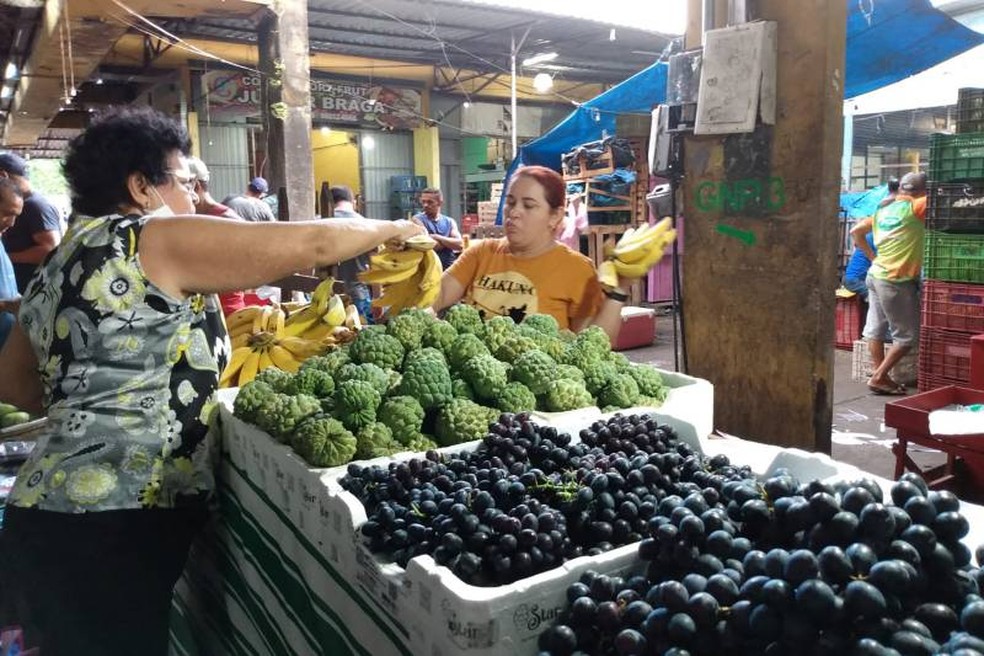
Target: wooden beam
760,263
286,105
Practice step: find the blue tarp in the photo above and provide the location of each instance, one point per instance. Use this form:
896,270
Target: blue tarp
887,41
859,204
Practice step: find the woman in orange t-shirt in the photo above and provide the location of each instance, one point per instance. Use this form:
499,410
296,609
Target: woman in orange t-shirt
527,271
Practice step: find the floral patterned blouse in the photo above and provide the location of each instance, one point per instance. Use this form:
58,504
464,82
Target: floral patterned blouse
129,376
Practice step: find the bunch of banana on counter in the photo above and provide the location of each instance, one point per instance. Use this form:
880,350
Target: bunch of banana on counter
268,336
410,274
636,252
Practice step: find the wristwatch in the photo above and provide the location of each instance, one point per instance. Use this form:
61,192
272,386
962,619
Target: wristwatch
617,294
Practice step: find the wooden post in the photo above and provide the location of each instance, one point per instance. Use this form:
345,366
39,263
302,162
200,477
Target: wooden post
286,105
760,264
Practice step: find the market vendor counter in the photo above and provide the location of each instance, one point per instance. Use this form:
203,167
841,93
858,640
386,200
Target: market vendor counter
282,570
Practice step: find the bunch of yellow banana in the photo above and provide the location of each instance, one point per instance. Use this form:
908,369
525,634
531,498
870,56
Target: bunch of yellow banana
410,277
268,336
637,251
318,319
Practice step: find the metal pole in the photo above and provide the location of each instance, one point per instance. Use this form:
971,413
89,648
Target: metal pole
707,19
512,98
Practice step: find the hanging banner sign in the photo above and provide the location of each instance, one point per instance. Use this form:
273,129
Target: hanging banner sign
332,101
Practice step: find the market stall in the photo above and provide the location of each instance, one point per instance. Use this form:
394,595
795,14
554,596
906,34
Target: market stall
282,566
285,569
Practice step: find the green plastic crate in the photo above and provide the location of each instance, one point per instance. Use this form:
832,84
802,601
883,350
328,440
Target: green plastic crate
954,258
956,157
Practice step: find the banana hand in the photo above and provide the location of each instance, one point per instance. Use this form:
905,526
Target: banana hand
420,243
251,367
236,361
395,260
430,272
335,316
242,318
302,348
386,277
282,358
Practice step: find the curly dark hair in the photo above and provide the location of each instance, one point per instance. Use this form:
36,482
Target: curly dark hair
118,142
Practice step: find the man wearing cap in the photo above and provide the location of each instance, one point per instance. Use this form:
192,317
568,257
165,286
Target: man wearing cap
11,204
204,203
249,204
37,230
898,229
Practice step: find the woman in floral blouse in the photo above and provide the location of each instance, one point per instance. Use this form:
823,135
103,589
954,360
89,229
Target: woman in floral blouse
120,343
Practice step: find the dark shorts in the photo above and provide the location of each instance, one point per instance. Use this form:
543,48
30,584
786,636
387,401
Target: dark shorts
95,583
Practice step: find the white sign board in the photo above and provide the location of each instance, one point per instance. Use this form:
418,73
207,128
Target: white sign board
737,79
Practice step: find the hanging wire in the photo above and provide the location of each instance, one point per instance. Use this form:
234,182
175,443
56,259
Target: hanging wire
191,48
154,30
61,47
71,58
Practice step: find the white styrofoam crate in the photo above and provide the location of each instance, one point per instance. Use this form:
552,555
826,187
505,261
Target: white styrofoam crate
904,373
443,614
689,401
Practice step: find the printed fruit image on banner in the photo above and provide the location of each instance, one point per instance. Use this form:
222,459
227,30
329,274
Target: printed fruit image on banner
333,101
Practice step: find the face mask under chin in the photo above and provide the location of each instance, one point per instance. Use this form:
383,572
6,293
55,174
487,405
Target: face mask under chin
163,210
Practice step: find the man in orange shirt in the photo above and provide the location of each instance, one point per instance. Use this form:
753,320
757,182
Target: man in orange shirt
898,230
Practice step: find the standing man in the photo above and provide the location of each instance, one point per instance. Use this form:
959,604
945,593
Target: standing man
348,271
11,204
249,205
898,230
204,203
856,272
37,230
442,228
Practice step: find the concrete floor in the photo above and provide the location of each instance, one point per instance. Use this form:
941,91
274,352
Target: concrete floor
859,435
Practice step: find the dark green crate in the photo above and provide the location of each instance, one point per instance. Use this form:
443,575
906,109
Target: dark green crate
954,258
956,157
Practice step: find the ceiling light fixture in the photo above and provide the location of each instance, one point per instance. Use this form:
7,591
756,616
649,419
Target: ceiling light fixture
540,58
10,72
466,104
543,82
368,142
6,92
325,130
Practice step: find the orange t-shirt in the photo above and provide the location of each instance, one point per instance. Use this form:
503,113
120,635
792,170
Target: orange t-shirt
560,282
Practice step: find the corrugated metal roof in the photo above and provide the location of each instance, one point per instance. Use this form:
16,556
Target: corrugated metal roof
449,32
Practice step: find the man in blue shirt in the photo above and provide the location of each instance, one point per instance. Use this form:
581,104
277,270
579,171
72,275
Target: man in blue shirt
440,227
38,228
11,204
858,265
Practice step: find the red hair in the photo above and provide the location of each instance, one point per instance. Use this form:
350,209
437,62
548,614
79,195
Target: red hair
554,188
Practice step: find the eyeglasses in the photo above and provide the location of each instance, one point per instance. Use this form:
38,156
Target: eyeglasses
186,181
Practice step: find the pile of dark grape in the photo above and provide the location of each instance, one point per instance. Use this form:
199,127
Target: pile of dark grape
787,568
527,498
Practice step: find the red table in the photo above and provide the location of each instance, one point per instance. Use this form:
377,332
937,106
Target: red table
909,417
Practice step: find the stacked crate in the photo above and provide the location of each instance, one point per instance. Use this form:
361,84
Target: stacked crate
953,264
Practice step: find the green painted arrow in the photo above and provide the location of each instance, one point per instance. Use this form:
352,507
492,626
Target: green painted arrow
746,236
